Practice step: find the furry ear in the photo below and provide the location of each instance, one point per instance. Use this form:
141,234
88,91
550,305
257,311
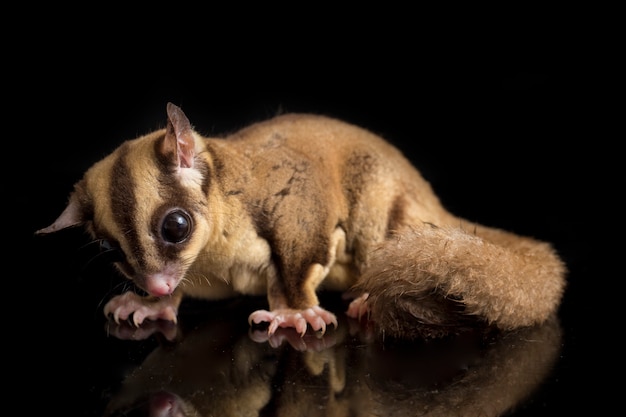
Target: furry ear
178,145
71,216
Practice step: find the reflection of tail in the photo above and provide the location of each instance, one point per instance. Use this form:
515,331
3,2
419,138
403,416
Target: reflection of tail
502,376
424,280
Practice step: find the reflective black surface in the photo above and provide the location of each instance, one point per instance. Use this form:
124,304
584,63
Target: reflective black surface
215,366
495,139
212,363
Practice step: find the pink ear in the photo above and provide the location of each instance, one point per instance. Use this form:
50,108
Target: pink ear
178,142
71,216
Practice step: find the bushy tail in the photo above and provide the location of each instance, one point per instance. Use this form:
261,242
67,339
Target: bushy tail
431,280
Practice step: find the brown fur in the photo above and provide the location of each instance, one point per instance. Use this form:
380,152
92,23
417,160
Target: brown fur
438,276
294,204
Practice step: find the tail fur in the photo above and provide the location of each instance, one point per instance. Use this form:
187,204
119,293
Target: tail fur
428,281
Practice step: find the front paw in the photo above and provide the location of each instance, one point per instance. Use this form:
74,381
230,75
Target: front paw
121,307
316,317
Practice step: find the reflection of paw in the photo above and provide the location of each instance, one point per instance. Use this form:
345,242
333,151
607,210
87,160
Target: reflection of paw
121,307
364,329
310,342
127,331
316,317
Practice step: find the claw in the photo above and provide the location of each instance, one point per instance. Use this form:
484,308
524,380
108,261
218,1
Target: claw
358,307
260,316
301,325
273,326
316,317
326,316
321,328
116,315
138,318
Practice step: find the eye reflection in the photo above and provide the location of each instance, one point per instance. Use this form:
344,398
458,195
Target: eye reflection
176,226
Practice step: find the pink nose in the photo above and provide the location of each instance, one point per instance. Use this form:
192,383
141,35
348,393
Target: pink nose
160,284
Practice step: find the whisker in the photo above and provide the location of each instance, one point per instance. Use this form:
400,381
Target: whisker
99,250
125,286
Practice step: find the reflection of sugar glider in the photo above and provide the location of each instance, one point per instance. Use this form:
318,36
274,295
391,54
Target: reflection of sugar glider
292,205
216,369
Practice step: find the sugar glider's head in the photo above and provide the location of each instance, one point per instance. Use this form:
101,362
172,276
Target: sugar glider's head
149,199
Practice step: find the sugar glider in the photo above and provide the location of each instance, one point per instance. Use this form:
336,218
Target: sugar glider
293,205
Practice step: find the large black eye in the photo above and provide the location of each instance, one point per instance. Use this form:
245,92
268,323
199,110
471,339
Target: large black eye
176,226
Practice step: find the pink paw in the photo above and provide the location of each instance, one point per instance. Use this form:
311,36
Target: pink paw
122,306
316,317
358,307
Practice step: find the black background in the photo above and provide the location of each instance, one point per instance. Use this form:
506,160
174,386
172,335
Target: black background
504,122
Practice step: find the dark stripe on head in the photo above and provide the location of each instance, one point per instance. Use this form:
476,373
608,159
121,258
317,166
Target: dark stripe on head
124,204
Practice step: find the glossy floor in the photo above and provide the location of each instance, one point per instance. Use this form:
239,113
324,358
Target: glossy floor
215,366
212,363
